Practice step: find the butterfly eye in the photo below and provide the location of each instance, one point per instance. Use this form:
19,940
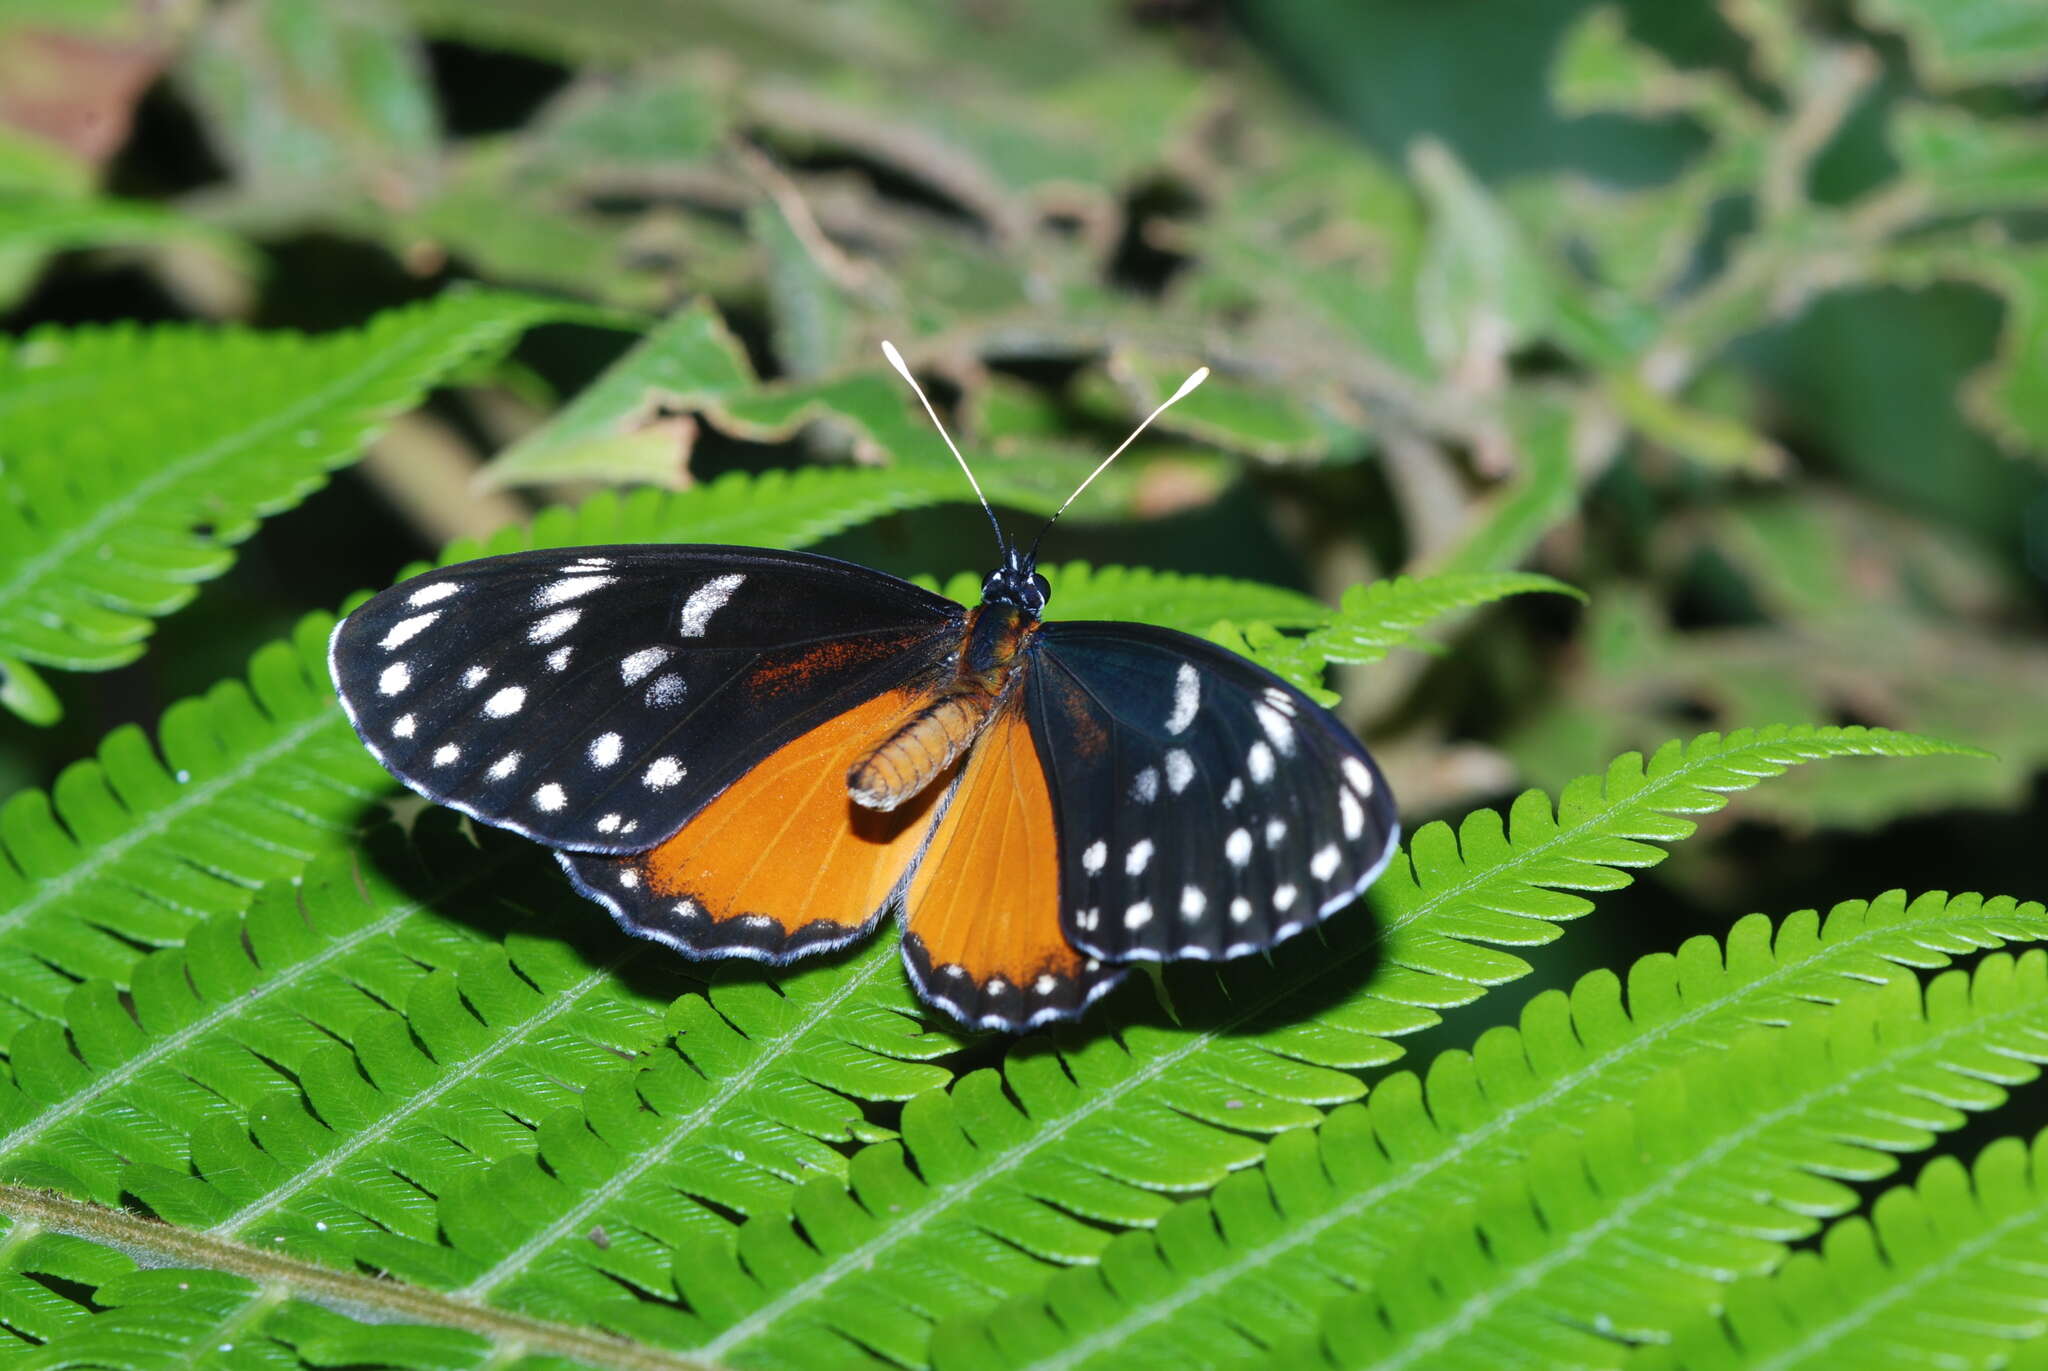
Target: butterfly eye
1043,588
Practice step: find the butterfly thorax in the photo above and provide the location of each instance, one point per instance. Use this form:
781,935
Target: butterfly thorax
924,745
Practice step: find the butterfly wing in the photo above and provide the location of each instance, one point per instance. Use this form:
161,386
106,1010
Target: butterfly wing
982,934
1205,808
595,698
782,863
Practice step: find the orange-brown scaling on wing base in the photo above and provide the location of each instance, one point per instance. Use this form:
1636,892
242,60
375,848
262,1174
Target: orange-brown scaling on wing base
915,755
986,897
784,842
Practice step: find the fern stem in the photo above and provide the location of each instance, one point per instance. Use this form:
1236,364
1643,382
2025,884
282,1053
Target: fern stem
161,1244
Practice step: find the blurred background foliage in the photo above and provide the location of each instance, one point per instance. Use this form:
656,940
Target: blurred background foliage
1734,315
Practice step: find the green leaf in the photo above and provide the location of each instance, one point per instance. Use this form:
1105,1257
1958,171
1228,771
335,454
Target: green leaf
307,99
1945,1271
608,433
1239,1267
1374,619
1480,292
1542,492
34,227
134,459
1964,42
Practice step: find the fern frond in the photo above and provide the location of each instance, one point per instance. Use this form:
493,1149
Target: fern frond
248,783
1374,619
1371,620
1081,1135
135,458
1171,599
1324,1210
1634,1225
1944,1272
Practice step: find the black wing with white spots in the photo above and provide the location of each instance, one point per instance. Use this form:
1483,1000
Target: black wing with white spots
595,698
1206,808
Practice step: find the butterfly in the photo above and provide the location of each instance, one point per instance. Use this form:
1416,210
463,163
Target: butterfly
742,752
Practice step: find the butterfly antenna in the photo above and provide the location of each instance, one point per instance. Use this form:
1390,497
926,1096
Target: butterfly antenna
1201,375
896,361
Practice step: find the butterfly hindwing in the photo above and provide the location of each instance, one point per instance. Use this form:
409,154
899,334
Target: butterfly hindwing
1206,808
595,698
981,914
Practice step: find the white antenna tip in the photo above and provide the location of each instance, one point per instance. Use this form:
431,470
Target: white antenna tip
895,359
1201,375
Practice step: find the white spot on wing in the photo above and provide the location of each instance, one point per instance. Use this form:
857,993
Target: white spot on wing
1096,856
569,588
662,773
404,726
553,626
665,690
609,824
1240,910
1283,898
1280,700
550,797
1138,915
405,630
1276,829
1180,769
1360,776
1234,793
1238,846
1260,760
504,766
1324,863
433,594
705,601
474,677
1046,984
558,660
634,667
1277,727
605,749
1145,786
447,754
629,878
1353,812
394,678
1192,902
1187,698
1135,859
506,702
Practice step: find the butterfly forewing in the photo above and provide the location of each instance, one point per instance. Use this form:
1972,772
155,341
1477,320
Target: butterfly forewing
1206,808
595,698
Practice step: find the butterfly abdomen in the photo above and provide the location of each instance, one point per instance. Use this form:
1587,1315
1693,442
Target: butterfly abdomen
917,753
931,740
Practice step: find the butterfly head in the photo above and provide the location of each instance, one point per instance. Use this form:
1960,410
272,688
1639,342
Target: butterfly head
1016,583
